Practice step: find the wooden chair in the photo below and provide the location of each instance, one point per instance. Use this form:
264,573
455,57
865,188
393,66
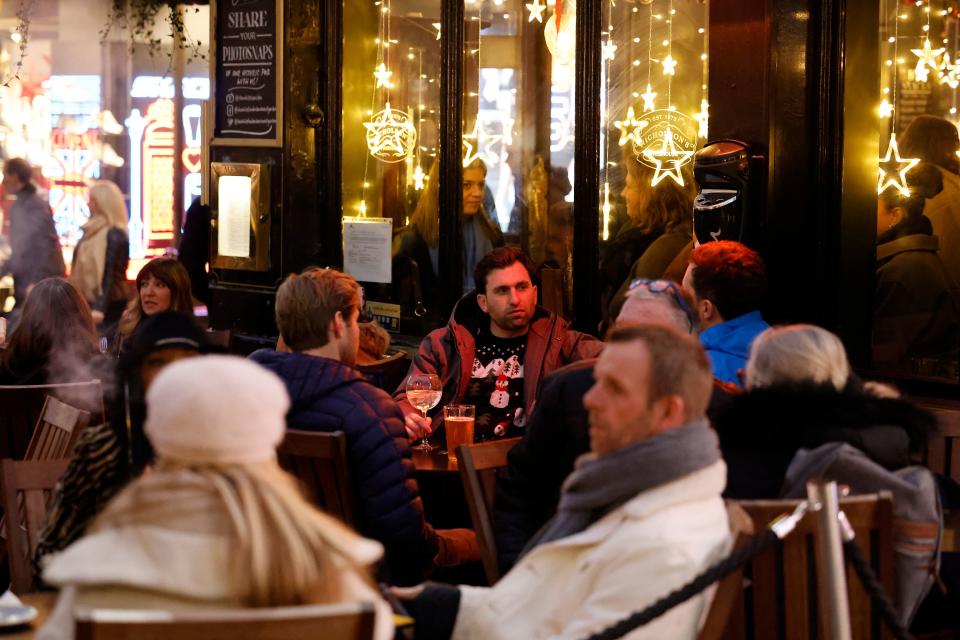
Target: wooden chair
57,430
943,456
727,592
220,339
26,489
387,373
23,404
349,621
781,601
478,466
319,461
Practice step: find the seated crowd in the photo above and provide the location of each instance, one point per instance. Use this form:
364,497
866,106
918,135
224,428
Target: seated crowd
613,495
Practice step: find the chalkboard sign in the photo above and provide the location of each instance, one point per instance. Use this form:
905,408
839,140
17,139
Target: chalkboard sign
248,71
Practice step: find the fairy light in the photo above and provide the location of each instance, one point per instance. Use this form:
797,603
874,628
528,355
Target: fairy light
610,49
927,56
892,168
703,116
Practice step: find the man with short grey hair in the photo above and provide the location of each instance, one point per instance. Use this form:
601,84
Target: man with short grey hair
557,433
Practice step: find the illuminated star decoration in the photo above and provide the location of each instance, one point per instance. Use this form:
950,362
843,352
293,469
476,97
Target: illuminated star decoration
885,109
949,72
926,60
418,176
703,118
669,65
609,49
436,25
481,139
391,136
667,153
893,169
383,76
630,128
648,97
536,11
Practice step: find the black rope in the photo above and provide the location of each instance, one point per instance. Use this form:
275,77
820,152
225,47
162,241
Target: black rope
873,587
736,560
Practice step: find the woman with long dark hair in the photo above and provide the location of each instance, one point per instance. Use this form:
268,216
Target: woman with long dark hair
55,340
162,285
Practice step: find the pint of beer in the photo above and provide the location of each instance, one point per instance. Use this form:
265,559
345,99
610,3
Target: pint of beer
458,422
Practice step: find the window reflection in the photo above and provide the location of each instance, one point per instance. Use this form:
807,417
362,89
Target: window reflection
916,315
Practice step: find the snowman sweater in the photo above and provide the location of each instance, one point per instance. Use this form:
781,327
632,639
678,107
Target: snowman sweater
496,387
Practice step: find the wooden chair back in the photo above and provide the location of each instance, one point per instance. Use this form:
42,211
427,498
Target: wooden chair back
57,430
388,372
23,404
349,621
319,461
478,465
781,601
26,490
943,448
727,592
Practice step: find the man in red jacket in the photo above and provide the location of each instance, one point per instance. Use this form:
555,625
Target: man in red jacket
495,350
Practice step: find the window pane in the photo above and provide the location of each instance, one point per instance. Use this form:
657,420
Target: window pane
391,94
916,320
654,106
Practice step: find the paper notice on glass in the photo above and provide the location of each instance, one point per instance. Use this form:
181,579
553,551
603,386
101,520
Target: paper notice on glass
366,248
233,226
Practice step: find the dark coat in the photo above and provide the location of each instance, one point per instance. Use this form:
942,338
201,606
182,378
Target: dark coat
916,313
33,238
618,256
761,430
194,250
409,246
329,396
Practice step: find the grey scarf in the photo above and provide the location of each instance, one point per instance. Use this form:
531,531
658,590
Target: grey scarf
600,484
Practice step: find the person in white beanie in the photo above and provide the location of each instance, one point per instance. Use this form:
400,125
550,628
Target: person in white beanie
217,523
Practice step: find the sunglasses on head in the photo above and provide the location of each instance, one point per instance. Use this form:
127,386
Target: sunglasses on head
670,288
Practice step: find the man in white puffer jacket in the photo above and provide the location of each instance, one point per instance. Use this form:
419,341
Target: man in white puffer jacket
640,516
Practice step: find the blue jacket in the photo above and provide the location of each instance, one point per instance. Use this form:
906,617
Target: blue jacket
728,344
326,395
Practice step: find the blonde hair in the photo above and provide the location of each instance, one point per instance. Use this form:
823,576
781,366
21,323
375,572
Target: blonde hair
289,552
426,216
798,353
109,203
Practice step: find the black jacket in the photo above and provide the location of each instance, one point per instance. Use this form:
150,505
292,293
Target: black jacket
327,396
761,430
33,238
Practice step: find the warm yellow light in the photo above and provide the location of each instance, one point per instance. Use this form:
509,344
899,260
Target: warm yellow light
383,76
667,153
893,169
885,110
536,11
630,128
648,97
669,66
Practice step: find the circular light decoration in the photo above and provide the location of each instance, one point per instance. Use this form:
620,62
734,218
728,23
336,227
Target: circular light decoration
666,144
391,136
561,38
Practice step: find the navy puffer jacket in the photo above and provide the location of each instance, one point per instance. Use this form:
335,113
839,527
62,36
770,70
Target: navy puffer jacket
327,396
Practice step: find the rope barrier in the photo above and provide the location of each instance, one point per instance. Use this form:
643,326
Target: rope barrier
778,530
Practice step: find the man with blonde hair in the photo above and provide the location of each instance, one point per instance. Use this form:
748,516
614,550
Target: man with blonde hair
318,314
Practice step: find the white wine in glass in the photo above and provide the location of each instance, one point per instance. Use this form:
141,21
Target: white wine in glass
424,391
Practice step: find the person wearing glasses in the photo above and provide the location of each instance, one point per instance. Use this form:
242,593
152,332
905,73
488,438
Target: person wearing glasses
558,430
728,282
318,315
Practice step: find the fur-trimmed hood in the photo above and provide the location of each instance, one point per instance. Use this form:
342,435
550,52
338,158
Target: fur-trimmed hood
760,431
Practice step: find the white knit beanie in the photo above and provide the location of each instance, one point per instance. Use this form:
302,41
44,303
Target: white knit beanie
216,409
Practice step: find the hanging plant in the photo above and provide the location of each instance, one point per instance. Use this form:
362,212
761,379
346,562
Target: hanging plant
22,37
139,18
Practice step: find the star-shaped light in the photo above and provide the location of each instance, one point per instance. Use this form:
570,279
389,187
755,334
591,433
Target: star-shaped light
362,209
949,72
609,49
436,25
893,169
927,59
648,97
885,109
536,11
921,72
703,118
629,127
669,65
391,136
383,76
481,139
667,153
418,176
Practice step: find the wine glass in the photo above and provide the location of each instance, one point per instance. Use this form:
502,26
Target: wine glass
423,392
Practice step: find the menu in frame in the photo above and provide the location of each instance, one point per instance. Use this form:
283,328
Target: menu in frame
247,71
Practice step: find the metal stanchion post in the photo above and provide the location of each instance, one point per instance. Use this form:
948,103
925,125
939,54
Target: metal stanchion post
831,571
